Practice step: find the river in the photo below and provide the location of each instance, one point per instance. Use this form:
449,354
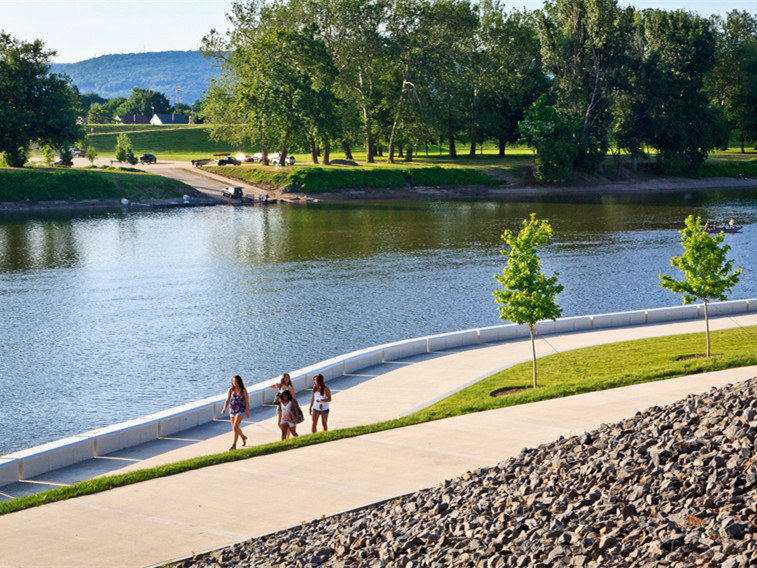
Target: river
111,316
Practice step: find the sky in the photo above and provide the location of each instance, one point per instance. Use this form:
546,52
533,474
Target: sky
82,29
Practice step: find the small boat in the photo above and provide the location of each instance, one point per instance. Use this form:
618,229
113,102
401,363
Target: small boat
724,229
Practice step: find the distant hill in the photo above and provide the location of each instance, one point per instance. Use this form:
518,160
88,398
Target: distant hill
113,76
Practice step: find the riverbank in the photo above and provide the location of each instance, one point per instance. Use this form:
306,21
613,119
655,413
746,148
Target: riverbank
194,181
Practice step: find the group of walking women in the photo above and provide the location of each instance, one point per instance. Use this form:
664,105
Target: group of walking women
288,409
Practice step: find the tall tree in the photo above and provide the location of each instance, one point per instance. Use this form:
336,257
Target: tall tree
584,46
35,105
733,81
527,295
679,52
707,271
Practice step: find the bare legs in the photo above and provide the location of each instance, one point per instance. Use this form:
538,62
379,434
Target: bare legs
287,430
324,421
236,421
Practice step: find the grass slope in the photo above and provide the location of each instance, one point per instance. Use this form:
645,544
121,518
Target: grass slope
563,374
324,179
57,184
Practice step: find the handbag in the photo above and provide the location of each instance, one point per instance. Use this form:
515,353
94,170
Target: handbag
299,416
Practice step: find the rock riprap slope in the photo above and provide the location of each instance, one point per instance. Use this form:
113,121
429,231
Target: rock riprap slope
673,487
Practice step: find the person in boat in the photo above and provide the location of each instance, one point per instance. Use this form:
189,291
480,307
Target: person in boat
732,223
709,226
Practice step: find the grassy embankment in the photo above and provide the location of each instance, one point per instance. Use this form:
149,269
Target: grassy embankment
51,184
563,374
193,142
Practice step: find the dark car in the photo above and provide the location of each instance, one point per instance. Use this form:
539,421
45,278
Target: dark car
228,161
233,191
148,159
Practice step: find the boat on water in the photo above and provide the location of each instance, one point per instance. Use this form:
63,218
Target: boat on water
724,229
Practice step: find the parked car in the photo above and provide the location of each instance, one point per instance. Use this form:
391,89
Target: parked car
77,153
245,158
62,163
257,157
233,191
148,159
275,158
228,161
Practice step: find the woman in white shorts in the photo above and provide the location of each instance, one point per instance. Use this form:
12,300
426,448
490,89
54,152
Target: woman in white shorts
288,418
319,403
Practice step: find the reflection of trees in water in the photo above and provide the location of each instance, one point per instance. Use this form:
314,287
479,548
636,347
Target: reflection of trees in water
332,231
36,246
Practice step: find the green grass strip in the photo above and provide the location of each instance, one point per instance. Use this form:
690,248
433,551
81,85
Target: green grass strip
314,179
563,374
62,184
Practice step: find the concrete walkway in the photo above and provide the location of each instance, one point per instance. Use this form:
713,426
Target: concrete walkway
154,522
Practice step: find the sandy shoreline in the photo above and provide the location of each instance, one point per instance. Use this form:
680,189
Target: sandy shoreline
209,185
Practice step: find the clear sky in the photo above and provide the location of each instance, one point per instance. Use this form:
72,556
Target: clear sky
82,29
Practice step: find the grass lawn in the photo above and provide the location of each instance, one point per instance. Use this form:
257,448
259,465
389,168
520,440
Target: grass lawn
583,370
46,184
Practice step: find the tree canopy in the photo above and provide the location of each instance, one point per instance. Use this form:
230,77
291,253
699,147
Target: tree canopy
402,73
35,105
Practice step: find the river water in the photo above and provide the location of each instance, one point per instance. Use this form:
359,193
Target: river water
111,316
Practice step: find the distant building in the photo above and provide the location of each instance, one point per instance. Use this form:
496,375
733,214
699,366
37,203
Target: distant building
168,119
133,119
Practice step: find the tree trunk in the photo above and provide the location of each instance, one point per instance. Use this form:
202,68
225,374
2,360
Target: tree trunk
347,150
502,146
707,326
452,148
533,349
390,158
326,152
742,141
314,151
366,121
474,122
409,154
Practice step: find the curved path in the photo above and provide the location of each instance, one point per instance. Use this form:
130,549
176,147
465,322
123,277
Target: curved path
153,522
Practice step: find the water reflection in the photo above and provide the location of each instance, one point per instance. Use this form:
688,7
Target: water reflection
112,316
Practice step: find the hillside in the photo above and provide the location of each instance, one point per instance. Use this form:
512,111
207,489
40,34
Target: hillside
116,75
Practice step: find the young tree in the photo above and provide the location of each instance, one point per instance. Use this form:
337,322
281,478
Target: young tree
707,272
48,153
91,154
527,295
123,147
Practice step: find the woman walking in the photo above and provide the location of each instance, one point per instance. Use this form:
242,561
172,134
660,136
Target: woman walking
284,386
319,403
288,417
237,402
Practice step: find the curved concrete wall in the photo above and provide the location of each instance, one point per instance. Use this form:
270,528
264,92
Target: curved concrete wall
34,461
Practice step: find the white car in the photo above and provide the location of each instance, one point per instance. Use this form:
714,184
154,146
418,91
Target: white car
275,158
233,191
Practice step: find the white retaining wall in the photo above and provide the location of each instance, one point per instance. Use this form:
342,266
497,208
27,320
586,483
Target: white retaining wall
35,461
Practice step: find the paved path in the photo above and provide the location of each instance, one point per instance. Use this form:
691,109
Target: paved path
153,522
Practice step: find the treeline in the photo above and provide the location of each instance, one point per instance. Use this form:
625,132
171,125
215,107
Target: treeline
575,80
97,110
